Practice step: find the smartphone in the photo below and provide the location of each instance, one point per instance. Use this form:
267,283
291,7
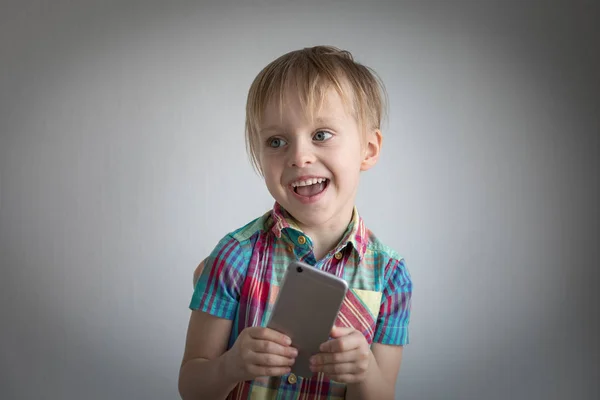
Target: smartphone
306,308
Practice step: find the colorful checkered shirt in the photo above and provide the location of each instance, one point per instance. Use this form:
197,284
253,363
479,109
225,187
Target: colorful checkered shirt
242,276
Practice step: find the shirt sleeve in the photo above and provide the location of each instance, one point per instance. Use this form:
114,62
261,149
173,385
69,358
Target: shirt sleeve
394,313
218,289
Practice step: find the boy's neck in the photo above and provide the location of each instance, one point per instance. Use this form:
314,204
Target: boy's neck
327,236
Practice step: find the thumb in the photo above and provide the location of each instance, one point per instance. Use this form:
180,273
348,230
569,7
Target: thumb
339,331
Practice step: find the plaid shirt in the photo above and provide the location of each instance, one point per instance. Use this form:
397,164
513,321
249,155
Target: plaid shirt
242,276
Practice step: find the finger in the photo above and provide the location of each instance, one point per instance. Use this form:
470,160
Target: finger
269,371
344,343
271,335
338,369
271,360
347,378
339,331
359,354
268,347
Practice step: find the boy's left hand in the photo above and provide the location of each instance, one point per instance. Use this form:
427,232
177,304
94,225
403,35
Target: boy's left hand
345,358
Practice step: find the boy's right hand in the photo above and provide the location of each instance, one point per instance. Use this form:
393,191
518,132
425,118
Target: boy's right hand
258,352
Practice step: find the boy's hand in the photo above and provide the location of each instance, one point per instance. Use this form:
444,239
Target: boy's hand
260,352
344,359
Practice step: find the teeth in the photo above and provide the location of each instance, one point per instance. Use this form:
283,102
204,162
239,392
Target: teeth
308,182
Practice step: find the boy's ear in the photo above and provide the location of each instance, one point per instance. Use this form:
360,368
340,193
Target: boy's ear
372,148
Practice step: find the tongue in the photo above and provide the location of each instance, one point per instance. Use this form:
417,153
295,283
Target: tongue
310,190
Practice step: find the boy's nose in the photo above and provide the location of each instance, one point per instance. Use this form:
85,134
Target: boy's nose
300,155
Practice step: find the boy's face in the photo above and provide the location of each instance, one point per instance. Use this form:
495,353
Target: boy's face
312,167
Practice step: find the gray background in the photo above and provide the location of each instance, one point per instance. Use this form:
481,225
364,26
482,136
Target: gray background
122,163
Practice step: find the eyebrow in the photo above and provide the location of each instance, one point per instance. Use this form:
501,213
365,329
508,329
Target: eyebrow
270,128
326,120
318,120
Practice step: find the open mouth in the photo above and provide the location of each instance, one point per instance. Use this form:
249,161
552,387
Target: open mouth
310,187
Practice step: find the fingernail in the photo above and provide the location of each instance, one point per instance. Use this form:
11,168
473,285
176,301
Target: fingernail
313,360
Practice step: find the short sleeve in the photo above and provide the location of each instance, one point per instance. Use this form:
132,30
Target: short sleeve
218,289
394,313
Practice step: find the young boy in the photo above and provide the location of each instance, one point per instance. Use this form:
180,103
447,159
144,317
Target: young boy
312,125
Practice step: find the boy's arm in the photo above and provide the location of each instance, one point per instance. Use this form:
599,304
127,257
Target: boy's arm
390,336
380,382
203,374
199,364
208,369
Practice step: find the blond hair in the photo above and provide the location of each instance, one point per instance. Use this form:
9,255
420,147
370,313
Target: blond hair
312,71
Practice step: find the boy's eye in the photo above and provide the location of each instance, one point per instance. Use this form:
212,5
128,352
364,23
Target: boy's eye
276,142
321,136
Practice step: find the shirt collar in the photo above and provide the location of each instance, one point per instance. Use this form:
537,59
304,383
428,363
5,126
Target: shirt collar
356,233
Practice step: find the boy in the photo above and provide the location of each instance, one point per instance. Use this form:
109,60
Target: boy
312,126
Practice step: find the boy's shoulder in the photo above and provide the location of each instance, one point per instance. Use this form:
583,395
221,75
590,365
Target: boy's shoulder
246,232
376,247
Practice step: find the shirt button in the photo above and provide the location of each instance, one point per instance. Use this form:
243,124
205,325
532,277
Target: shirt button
291,248
338,256
292,379
301,239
